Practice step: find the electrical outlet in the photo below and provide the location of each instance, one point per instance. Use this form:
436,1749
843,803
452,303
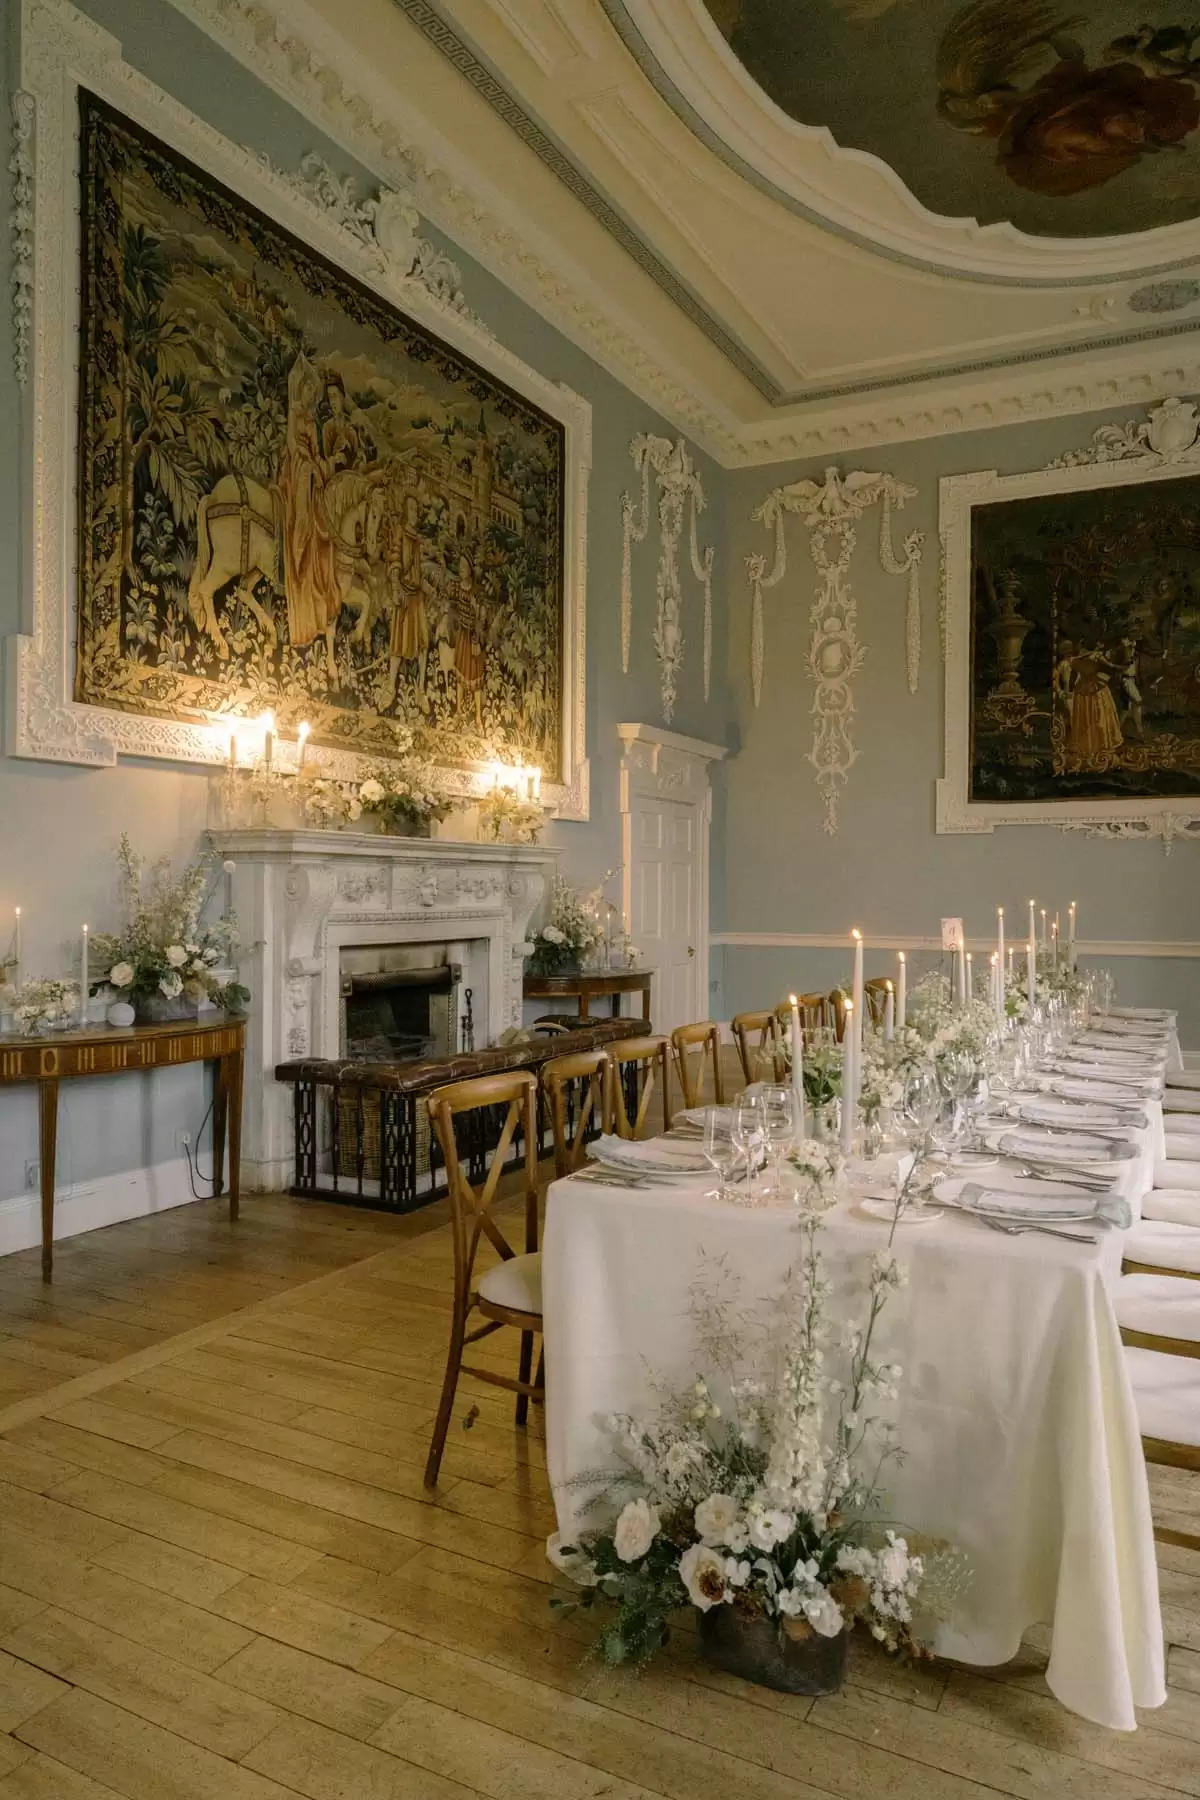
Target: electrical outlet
33,1174
183,1140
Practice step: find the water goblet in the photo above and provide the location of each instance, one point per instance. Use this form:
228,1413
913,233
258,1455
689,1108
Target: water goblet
780,1125
922,1108
719,1150
748,1130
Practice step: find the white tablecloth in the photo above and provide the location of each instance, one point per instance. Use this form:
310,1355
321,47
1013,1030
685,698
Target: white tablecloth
1015,1414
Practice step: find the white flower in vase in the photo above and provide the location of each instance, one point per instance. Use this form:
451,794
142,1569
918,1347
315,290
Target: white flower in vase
121,975
170,985
371,792
176,955
716,1518
636,1530
553,935
702,1572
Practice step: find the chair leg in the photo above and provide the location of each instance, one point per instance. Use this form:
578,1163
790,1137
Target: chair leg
539,1380
523,1370
441,1424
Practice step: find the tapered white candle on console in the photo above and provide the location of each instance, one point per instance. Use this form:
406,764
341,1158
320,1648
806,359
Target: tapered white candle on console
849,1078
16,946
902,993
302,731
83,976
797,1046
889,1014
268,724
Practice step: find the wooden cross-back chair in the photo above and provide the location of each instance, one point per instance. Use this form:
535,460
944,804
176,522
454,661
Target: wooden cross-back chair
816,1013
694,1047
757,1036
588,1069
510,1292
1166,1386
647,1059
875,995
835,1008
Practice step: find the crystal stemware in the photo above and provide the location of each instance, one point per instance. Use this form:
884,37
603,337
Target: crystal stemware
748,1130
719,1149
780,1124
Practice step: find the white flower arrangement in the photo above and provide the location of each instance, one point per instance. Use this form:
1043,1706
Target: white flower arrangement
407,795
759,1487
44,1003
571,932
163,947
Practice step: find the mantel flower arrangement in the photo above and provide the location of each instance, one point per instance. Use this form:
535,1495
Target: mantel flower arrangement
503,813
163,957
571,932
406,796
754,1496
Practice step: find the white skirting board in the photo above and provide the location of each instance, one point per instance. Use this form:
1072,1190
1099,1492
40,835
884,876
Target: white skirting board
89,1204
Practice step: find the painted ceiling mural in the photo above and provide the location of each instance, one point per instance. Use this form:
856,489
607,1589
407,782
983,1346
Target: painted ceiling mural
1066,123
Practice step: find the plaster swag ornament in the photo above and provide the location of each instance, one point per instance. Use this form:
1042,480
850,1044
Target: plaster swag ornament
20,165
679,489
830,510
1166,828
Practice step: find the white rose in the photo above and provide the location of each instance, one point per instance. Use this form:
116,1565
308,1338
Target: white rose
371,792
198,967
553,935
770,1528
212,954
353,810
702,1573
170,985
636,1530
121,975
176,955
716,1517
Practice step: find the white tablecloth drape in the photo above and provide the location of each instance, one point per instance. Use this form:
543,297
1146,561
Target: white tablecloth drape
1020,1437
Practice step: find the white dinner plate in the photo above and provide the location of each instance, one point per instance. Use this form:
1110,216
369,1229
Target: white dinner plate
874,1206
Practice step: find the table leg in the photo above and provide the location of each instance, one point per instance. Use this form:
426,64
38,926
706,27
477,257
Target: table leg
48,1121
615,1005
220,1116
236,1063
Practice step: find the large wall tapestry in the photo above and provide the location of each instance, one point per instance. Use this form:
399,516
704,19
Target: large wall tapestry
1085,667
1068,121
291,495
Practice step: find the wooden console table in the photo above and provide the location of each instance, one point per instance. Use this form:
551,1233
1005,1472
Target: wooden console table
104,1050
586,988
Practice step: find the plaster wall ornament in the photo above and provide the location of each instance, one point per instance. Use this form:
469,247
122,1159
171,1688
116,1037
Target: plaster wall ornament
680,491
830,509
1165,443
388,228
20,165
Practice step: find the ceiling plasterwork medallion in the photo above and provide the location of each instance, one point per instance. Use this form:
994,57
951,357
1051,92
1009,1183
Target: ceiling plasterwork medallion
830,509
679,491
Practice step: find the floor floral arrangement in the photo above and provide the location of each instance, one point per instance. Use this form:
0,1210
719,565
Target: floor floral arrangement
756,1497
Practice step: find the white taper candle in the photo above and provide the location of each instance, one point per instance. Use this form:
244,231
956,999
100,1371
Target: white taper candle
902,992
797,1046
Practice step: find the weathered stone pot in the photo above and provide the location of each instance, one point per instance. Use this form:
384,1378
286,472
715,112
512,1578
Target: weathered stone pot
755,1648
156,1009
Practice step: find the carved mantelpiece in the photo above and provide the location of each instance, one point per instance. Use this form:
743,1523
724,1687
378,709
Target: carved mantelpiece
301,896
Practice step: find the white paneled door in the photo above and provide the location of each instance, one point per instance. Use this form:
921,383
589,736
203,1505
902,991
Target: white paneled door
665,804
665,909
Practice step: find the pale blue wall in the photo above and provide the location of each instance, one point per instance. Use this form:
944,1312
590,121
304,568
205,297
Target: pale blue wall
59,825
887,870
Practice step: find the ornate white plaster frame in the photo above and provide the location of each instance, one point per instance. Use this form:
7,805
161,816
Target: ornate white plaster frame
376,242
1164,445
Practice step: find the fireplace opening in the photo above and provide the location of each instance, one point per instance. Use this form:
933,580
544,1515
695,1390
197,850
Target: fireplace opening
399,1002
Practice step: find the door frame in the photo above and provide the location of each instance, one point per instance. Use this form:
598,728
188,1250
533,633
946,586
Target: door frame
665,765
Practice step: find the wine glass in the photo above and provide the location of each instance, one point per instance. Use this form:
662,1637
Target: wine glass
922,1107
779,1123
719,1148
956,1077
748,1130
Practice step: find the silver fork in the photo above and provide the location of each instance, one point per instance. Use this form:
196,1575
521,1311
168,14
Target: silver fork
1072,1237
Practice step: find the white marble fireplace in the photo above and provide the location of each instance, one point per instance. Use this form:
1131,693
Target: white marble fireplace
301,897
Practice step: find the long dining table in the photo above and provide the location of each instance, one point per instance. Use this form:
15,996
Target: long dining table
1020,1437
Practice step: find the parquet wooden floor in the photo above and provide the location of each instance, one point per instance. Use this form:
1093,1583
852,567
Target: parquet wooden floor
221,1578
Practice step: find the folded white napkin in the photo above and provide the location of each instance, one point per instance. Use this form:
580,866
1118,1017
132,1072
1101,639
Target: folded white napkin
1119,1088
1083,1115
1108,1209
1037,1143
649,1156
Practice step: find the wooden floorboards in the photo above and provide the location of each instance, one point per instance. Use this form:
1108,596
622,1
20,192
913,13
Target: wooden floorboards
222,1579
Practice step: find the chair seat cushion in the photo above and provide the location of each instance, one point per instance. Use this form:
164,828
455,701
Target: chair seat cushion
1174,1206
1183,1078
516,1283
1166,1392
1182,1146
1165,1245
1173,1172
1184,1103
1168,1305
